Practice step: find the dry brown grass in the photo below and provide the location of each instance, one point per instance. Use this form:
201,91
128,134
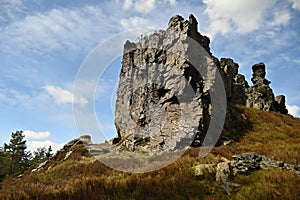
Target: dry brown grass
271,134
274,135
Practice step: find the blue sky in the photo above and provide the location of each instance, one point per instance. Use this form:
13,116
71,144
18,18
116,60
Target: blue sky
44,43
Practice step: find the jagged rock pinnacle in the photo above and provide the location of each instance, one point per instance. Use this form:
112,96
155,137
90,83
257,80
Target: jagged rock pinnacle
153,110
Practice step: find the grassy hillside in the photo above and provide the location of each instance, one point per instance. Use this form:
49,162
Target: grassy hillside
81,176
271,134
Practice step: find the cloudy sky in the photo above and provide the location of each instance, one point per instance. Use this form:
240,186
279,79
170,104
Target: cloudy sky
44,43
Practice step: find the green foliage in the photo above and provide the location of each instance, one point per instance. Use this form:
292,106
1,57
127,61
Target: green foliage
49,152
40,155
16,158
3,161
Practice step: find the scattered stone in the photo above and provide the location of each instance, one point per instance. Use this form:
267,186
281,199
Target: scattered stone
223,171
249,162
202,168
242,164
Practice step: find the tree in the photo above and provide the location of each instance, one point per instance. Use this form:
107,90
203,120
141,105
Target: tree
18,157
49,152
3,164
41,154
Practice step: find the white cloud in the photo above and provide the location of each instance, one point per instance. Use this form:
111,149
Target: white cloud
127,4
74,29
293,110
33,145
134,22
172,2
37,140
281,17
144,6
296,4
8,8
62,96
36,135
57,29
235,15
23,99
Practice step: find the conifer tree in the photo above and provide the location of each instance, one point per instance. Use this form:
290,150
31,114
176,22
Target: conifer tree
18,159
49,152
39,156
3,164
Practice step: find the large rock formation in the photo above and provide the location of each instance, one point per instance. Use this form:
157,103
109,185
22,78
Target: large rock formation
261,95
164,100
159,104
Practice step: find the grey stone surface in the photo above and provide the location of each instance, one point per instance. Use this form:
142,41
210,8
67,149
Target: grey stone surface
163,102
159,99
242,164
86,139
223,171
201,169
261,95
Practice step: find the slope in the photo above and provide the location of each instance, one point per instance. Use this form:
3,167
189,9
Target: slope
78,175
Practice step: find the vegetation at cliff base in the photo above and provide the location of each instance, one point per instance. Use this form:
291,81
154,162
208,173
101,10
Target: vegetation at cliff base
81,176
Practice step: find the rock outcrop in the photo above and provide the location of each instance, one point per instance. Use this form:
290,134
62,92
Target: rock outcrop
261,95
163,98
160,95
77,145
242,164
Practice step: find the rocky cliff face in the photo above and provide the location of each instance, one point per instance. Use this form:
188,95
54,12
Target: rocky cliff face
163,98
159,104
